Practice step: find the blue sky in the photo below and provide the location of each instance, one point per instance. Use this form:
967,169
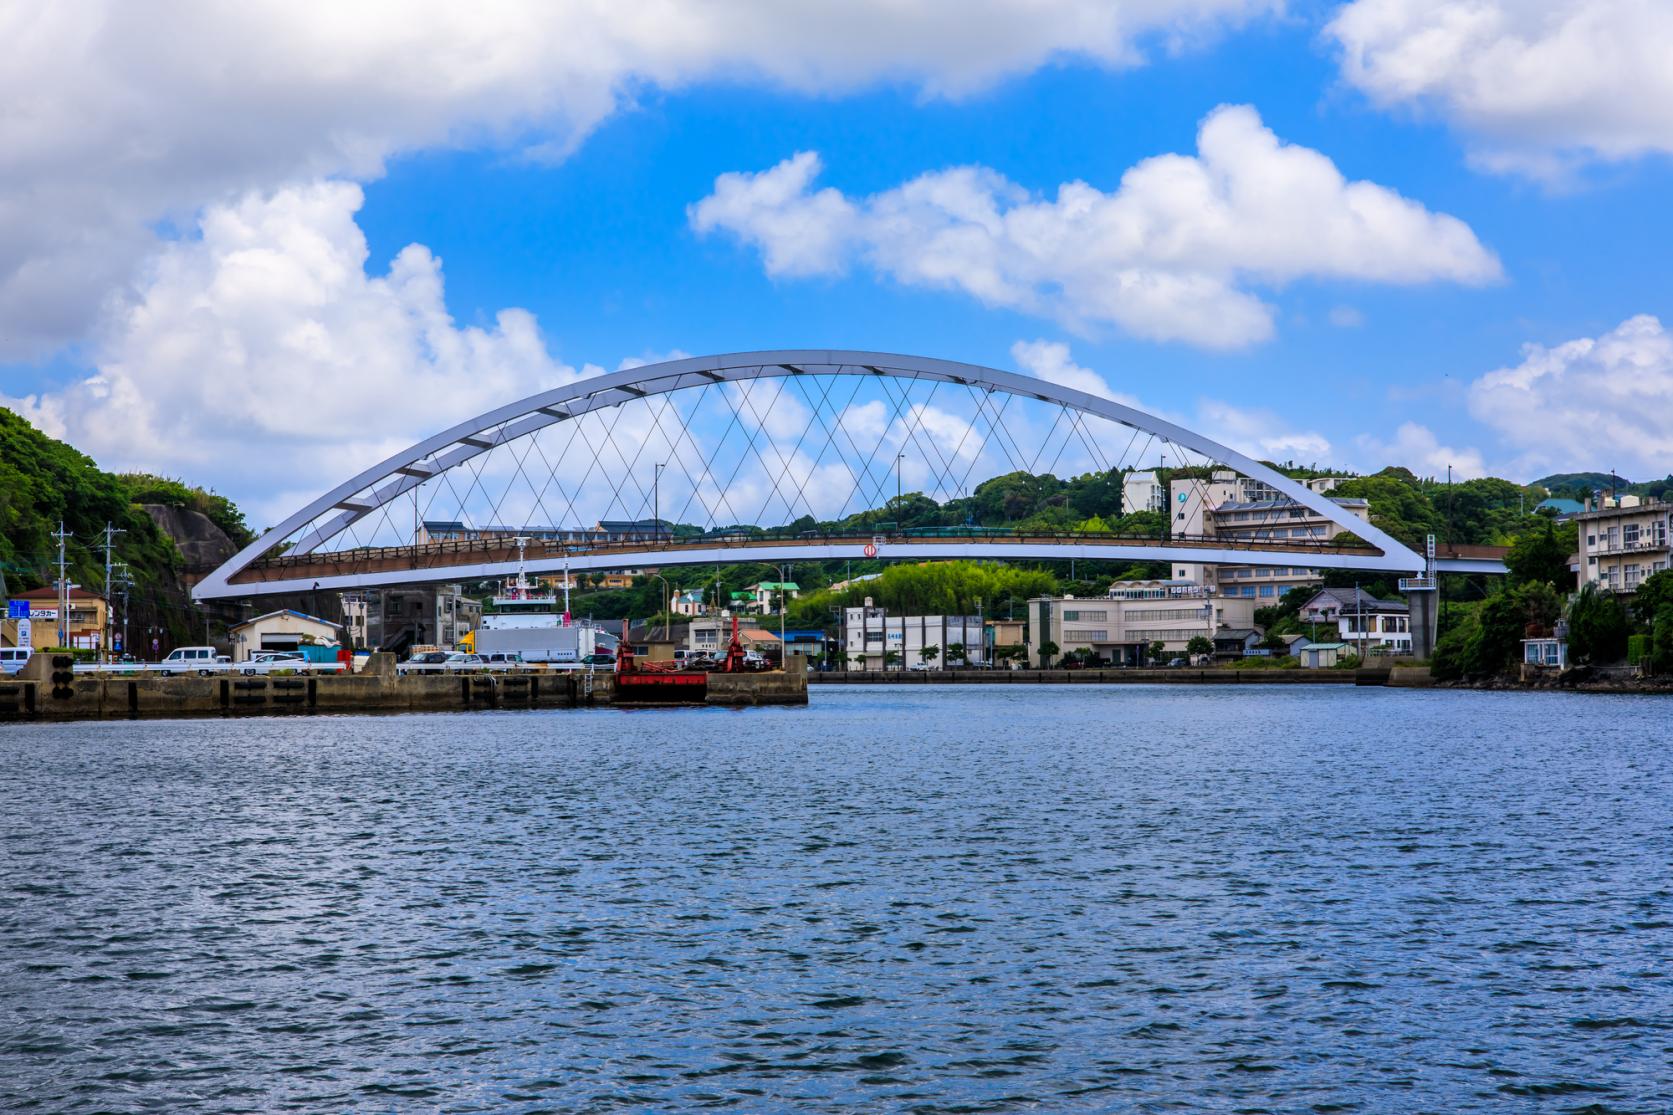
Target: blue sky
598,243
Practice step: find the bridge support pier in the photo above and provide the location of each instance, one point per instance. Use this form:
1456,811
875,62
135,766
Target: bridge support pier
1425,620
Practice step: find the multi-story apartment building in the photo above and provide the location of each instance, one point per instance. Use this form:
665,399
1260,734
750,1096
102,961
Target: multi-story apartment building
871,633
1121,627
1235,507
1141,491
1622,545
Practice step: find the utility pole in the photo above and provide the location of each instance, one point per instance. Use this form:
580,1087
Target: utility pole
1167,501
1359,599
1438,590
783,648
125,580
63,587
656,502
104,635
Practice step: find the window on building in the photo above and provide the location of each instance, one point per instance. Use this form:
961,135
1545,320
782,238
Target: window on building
1266,590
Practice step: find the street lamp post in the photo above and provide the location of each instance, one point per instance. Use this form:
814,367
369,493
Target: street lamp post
783,649
667,601
656,502
899,460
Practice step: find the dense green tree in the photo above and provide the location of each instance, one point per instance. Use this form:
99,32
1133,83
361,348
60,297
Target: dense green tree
1597,627
1199,645
1496,640
1654,594
1047,651
1398,502
1661,642
1541,555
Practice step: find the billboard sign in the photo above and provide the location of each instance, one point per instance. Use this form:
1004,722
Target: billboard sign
17,609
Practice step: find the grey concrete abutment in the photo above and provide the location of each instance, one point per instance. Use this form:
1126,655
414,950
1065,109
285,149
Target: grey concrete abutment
47,689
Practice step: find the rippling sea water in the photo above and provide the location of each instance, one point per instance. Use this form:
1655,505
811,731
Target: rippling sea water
918,899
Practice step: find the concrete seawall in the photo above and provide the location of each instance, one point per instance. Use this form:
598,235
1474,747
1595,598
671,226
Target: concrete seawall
1095,677
49,690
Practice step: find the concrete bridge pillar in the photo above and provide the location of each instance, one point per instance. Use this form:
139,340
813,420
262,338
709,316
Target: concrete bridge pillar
1425,620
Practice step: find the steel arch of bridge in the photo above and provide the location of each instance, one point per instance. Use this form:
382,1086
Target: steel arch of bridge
388,480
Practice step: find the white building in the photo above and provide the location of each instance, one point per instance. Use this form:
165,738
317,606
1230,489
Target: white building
1122,627
1142,491
282,630
354,617
1237,508
765,597
870,633
687,602
1622,544
1361,620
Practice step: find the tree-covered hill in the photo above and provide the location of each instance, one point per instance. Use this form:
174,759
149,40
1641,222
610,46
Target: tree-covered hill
1578,485
43,482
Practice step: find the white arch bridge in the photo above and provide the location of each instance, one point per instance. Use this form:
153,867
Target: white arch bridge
681,462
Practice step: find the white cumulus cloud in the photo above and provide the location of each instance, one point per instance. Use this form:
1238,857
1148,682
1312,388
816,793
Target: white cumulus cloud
118,115
1176,252
1537,84
1415,447
1589,403
261,356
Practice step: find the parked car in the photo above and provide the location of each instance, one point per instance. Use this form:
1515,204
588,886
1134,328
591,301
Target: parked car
269,660
13,659
920,667
1176,662
202,659
428,658
503,658
459,660
601,658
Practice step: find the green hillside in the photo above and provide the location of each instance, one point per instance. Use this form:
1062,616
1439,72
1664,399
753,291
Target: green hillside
43,482
1578,485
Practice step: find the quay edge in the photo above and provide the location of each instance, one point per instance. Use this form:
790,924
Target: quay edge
46,690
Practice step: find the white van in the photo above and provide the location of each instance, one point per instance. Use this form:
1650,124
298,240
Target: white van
202,659
13,659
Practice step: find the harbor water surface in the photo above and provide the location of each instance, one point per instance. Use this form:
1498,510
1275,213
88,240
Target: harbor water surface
914,899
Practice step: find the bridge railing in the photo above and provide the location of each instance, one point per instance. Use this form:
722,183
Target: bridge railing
440,554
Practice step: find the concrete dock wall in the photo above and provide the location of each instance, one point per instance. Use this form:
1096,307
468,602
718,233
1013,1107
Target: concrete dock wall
1093,677
789,688
48,690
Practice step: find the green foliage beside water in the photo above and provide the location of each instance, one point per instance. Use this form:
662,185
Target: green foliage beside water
43,481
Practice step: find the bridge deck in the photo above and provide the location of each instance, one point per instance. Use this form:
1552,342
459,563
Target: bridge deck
431,558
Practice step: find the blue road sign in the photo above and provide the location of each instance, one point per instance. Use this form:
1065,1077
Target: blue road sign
17,609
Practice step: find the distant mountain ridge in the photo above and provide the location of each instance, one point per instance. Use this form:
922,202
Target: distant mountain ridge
1578,484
